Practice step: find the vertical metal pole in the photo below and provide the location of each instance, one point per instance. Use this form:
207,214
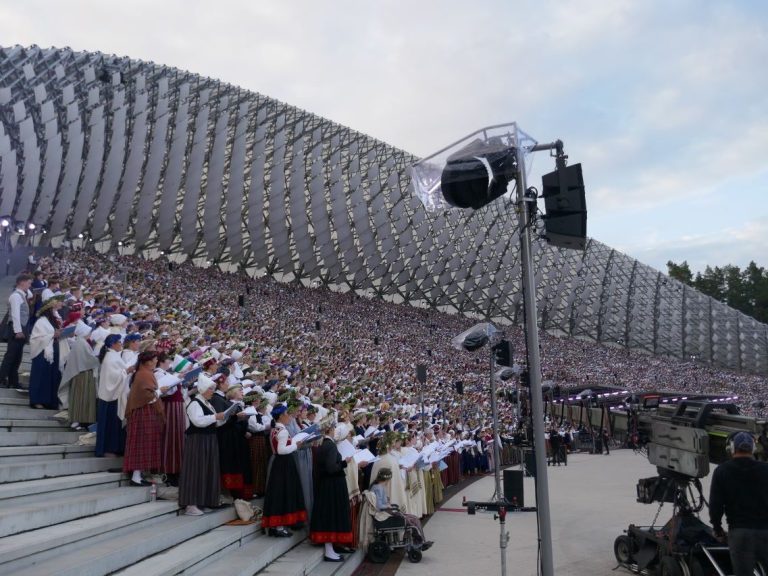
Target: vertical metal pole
421,401
498,495
495,427
534,369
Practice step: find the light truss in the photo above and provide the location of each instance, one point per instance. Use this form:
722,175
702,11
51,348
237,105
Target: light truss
159,158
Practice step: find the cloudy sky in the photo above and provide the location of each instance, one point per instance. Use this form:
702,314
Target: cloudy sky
664,103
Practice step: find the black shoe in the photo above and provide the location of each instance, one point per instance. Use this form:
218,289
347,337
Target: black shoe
280,532
339,559
343,550
426,545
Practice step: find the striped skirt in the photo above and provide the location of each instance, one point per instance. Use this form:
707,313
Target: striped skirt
200,480
82,398
173,436
144,440
260,453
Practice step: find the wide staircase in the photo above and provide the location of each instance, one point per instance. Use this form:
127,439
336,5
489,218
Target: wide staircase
65,512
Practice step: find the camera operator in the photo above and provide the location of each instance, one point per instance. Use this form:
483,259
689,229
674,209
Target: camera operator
740,489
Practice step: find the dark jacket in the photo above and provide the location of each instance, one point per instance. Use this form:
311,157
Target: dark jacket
740,489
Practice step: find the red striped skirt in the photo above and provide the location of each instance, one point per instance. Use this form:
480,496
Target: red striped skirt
173,436
260,454
144,440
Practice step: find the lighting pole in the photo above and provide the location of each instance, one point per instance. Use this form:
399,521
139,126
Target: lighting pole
534,365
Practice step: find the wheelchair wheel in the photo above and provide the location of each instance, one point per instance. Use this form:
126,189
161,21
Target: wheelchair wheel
378,552
414,555
623,549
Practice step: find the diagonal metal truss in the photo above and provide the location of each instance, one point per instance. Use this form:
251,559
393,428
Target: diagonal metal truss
152,156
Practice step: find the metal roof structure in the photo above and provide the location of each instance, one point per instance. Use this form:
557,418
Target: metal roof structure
156,158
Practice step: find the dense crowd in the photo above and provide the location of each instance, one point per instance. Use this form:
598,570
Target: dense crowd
189,369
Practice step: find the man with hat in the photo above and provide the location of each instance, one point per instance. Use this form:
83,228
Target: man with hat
740,490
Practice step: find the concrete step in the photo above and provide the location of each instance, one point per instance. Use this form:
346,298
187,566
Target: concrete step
11,454
26,412
19,471
36,424
16,399
346,568
134,545
219,542
32,437
22,551
298,562
47,512
249,558
14,394
18,492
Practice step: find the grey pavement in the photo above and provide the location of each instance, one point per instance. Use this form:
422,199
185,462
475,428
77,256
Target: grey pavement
592,501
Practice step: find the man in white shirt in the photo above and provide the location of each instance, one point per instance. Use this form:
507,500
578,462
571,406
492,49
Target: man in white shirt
51,290
18,317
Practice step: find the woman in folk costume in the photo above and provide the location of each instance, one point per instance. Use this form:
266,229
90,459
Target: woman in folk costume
49,355
145,417
78,381
175,421
200,482
331,523
345,431
396,492
417,500
113,384
259,426
303,455
284,499
234,451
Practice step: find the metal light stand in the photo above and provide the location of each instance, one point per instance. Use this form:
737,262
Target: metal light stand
534,361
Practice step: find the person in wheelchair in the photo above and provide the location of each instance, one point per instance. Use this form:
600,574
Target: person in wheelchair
394,517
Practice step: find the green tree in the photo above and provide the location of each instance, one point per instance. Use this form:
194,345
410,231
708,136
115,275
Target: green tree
681,272
711,283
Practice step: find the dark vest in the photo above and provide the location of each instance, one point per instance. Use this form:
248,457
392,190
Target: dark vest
211,429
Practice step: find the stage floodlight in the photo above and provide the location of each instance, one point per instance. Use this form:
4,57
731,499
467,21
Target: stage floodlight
5,222
31,226
477,174
474,338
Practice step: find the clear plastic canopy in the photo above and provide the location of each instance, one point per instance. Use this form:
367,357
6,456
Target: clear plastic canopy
426,173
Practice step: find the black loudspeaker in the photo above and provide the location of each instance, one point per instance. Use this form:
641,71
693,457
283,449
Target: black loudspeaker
170,266
421,373
375,340
530,462
317,325
459,387
241,300
513,487
429,353
566,207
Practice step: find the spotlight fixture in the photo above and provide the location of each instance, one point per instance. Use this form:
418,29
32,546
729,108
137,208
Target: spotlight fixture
31,226
80,235
5,222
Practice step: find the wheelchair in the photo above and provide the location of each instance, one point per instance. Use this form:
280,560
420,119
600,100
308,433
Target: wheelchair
392,534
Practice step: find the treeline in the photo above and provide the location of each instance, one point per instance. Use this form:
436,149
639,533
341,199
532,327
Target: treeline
745,290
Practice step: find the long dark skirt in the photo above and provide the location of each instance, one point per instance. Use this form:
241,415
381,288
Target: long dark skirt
173,436
331,520
200,482
44,380
235,462
110,434
284,499
260,453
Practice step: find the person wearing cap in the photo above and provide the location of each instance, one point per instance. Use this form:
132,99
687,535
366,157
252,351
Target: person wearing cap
145,420
131,345
331,522
200,481
18,325
113,385
78,380
740,490
49,355
381,490
284,498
